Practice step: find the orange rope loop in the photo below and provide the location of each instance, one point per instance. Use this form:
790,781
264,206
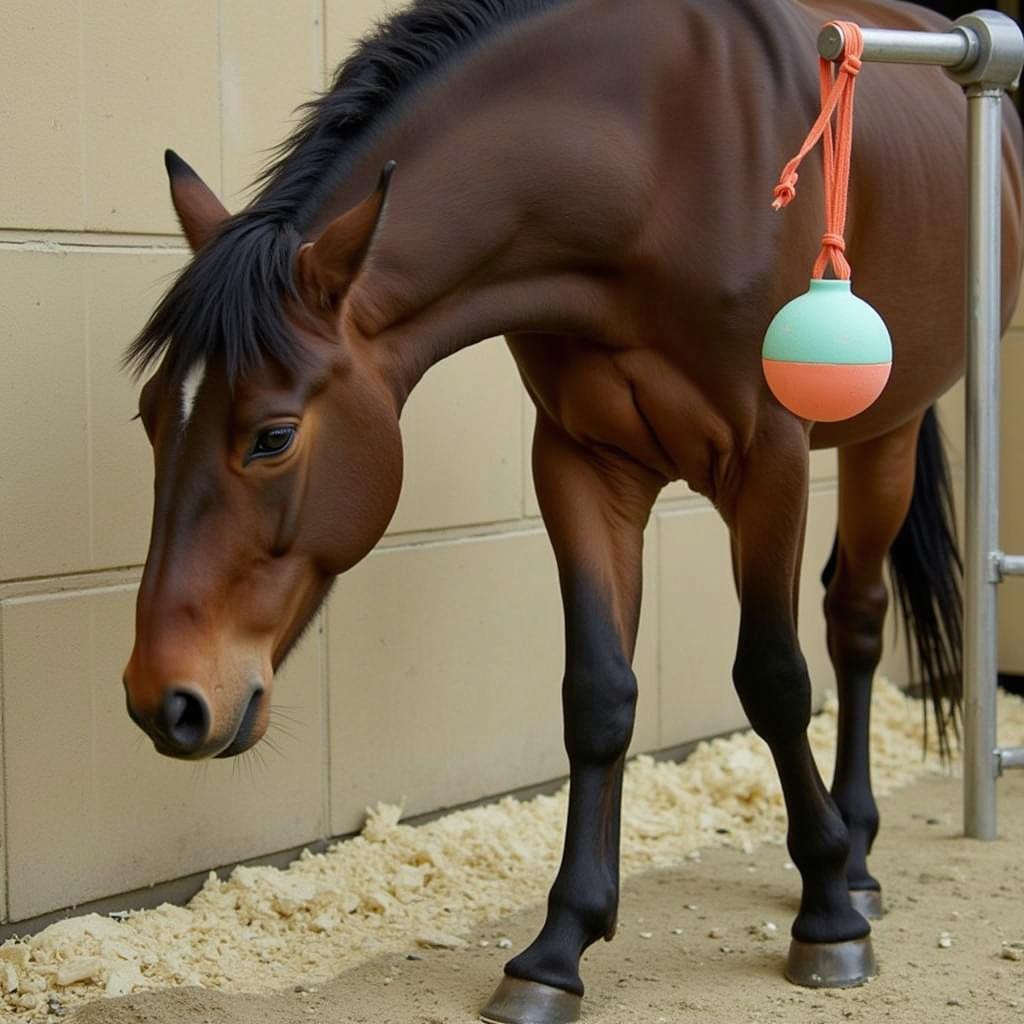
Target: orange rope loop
837,93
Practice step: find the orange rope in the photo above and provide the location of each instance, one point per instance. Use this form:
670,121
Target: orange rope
837,91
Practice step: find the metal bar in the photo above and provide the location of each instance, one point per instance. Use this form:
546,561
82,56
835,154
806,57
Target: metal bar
1011,565
984,52
1010,757
984,117
956,48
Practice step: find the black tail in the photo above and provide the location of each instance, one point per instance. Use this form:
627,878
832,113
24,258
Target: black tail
926,572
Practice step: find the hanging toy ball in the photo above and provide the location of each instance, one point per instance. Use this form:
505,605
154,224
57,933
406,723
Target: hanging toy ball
827,355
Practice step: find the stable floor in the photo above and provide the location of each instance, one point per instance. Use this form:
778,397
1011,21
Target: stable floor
936,884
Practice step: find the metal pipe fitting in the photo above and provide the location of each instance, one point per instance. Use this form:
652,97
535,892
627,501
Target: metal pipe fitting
1012,757
1011,565
945,49
1000,56
984,48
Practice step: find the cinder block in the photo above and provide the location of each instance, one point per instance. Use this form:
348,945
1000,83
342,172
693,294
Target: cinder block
271,62
823,465
446,663
3,793
699,619
346,22
150,80
121,290
40,159
462,434
1011,596
92,809
531,508
952,412
44,482
822,517
78,479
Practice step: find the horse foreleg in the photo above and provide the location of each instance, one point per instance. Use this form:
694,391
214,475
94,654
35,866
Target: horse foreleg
595,508
831,944
876,482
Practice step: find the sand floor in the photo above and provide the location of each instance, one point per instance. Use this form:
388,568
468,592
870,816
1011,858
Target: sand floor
935,882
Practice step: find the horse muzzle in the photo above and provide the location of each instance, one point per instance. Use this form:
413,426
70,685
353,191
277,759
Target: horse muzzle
182,724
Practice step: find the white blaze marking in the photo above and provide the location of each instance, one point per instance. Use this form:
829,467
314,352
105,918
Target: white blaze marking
190,388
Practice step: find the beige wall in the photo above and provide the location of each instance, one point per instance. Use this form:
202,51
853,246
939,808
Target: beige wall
1011,527
434,672
1011,597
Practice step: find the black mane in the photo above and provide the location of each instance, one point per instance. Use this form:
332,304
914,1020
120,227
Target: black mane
228,301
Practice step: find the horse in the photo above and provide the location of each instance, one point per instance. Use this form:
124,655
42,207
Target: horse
591,180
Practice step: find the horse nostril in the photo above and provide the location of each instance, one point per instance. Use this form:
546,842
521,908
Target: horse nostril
185,720
134,715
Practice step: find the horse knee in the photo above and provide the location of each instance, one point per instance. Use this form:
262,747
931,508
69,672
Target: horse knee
600,707
774,688
855,618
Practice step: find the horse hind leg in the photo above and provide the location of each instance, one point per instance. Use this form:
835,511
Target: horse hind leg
876,482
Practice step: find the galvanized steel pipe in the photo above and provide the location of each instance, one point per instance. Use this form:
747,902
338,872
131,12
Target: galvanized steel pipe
984,329
887,46
1012,565
984,52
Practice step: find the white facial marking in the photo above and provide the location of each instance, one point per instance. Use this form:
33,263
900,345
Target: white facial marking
190,388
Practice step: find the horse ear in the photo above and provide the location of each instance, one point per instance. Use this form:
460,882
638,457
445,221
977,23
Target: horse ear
199,211
326,268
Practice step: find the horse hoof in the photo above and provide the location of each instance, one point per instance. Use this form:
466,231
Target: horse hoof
868,903
831,964
516,1001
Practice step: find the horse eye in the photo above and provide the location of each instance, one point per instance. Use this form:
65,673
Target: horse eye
273,441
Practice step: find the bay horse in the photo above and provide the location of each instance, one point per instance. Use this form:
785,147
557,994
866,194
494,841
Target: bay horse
591,179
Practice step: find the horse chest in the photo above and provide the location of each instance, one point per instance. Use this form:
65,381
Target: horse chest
638,402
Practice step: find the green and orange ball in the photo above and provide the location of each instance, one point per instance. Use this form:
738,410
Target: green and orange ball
827,355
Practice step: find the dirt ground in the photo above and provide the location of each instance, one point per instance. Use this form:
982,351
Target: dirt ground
935,882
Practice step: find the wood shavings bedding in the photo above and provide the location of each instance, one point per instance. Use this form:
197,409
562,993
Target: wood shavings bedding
395,886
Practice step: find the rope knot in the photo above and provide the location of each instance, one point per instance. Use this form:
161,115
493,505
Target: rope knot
837,86
785,191
851,65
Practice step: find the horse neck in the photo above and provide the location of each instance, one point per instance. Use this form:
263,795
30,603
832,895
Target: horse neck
500,220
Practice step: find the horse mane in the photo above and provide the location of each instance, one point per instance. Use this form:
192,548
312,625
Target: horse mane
229,301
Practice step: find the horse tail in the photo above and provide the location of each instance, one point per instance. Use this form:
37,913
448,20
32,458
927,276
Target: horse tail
926,571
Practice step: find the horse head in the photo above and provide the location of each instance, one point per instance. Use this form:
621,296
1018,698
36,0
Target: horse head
272,476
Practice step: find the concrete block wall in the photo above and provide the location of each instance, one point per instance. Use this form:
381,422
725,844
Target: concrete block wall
1011,598
433,674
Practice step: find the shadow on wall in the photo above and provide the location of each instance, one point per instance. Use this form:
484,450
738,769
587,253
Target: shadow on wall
1012,683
